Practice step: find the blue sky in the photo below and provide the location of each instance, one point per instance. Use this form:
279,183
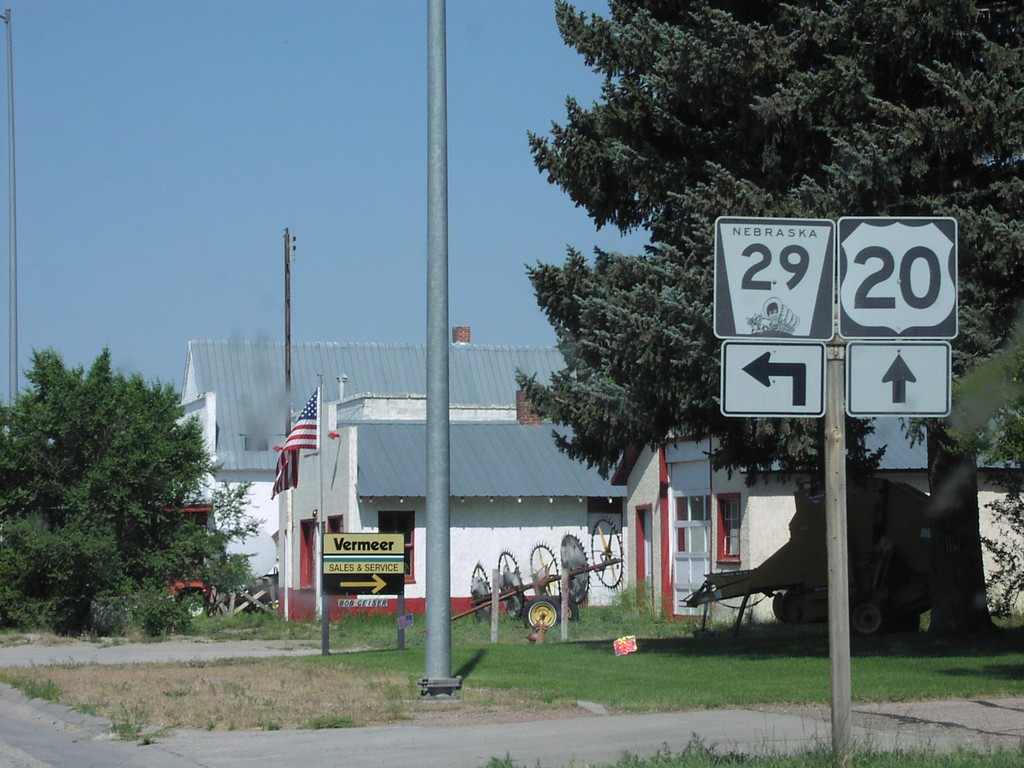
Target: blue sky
163,147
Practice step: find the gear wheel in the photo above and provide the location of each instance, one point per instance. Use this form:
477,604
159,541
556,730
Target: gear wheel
514,602
480,591
509,578
543,564
574,558
605,546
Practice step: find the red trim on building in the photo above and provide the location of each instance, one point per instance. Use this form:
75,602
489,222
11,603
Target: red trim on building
625,468
302,604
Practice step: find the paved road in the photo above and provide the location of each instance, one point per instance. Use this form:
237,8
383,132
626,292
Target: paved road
40,735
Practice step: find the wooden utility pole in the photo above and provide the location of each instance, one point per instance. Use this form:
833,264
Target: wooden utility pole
837,551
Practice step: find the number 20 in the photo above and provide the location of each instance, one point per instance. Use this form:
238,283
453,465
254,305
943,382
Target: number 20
863,298
793,259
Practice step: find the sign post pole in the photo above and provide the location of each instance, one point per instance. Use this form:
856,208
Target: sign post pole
836,546
897,283
400,622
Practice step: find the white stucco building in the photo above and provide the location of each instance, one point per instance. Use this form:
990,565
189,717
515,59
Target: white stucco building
515,497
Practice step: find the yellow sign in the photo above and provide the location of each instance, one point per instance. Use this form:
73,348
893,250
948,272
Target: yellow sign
363,563
364,545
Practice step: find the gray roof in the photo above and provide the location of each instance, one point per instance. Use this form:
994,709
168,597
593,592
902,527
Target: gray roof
487,459
248,377
899,453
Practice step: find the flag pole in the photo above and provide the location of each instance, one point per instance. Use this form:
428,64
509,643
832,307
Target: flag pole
325,613
286,538
12,216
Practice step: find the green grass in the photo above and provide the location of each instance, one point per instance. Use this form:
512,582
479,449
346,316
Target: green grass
768,664
44,689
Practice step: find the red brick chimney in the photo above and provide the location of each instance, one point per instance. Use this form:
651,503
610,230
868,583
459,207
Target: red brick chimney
524,410
461,334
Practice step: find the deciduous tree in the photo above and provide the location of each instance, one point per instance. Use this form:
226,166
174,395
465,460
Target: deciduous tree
95,468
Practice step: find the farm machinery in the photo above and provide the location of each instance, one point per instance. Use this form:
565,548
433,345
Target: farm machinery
543,608
889,562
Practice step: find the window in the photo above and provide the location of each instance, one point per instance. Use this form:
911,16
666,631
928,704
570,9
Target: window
729,528
403,522
255,443
691,523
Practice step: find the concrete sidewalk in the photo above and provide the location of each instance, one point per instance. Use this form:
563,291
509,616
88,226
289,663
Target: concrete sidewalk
67,651
38,734
605,739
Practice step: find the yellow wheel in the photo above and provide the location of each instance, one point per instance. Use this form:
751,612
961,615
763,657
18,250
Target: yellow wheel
541,612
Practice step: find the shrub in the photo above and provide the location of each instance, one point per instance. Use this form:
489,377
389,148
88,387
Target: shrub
157,613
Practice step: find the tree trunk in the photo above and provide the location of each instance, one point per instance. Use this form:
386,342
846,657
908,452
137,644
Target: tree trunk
959,602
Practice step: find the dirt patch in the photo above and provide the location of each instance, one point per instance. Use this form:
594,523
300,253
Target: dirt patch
222,695
234,694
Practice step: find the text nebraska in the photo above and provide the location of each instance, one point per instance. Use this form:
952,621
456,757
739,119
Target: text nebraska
798,233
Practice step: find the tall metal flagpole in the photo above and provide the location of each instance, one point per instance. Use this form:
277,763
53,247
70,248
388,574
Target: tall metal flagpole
325,613
438,681
286,536
12,215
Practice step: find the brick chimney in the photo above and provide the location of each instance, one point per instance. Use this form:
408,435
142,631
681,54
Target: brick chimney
524,410
461,334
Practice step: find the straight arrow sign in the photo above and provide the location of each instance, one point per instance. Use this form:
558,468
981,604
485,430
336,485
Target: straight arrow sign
909,378
899,374
784,379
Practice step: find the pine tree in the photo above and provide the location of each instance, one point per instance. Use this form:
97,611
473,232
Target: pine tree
810,109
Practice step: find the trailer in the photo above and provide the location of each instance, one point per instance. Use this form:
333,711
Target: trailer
889,540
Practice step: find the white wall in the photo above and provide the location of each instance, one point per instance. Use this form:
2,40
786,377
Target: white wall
481,530
262,548
644,490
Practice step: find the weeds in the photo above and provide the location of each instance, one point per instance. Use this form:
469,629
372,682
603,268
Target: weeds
132,724
329,721
44,689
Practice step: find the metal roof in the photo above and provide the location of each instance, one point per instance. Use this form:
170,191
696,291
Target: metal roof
248,378
487,459
899,453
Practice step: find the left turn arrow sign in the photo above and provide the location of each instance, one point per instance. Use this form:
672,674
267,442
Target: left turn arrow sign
765,379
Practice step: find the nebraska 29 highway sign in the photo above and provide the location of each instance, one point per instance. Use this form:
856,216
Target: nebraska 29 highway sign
897,278
774,278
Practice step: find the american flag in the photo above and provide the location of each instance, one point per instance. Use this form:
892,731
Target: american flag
304,436
287,472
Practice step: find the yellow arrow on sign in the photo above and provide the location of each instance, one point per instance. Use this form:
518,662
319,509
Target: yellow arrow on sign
377,583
